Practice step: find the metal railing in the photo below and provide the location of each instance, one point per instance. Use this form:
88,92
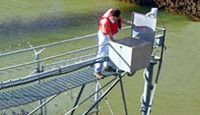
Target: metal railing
58,60
18,71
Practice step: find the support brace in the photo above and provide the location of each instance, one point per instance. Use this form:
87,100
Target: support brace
105,93
145,99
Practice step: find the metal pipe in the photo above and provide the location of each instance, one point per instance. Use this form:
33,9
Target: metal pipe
157,75
66,61
48,73
106,100
47,101
78,98
103,95
97,96
48,45
52,57
123,97
90,96
148,76
54,43
160,29
38,70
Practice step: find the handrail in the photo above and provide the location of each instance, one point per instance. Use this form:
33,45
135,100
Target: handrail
54,43
48,58
50,73
61,42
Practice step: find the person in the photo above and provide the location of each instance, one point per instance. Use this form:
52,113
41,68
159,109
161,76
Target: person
109,24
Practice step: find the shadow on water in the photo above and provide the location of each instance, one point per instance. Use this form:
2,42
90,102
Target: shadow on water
19,29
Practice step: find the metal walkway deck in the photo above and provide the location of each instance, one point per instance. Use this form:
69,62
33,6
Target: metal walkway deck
48,88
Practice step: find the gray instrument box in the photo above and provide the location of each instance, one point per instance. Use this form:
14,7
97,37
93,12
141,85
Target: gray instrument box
130,54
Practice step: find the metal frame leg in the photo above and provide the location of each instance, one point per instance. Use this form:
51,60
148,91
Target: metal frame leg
105,93
97,96
40,112
111,111
43,104
102,96
145,100
86,99
123,97
78,98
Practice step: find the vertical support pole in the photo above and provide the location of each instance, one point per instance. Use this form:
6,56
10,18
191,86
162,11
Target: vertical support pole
158,71
44,100
123,97
45,108
38,70
96,97
78,98
145,99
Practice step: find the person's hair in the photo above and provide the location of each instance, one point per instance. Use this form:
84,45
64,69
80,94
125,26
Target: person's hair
115,13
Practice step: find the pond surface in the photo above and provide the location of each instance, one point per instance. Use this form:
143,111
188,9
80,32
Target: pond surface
40,22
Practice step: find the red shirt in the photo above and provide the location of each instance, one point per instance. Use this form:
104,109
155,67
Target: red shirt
108,24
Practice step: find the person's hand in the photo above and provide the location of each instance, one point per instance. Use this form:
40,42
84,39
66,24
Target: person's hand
110,37
129,22
113,41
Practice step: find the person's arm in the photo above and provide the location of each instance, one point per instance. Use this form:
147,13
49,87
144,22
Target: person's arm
127,22
110,37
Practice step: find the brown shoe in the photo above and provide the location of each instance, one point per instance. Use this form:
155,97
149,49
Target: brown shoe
105,68
98,75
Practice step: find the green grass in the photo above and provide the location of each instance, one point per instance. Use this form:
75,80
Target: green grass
177,92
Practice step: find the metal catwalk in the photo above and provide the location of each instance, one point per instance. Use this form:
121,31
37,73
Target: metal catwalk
48,88
66,71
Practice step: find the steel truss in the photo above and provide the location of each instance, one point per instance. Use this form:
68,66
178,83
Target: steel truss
149,89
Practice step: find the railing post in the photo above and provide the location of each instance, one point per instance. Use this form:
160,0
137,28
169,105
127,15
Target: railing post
38,70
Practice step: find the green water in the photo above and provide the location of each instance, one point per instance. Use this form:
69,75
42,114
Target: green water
40,22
